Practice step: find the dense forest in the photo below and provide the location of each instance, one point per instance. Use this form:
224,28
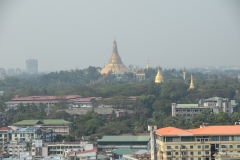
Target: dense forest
153,104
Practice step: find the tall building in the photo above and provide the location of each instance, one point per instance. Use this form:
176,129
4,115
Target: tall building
148,66
32,66
184,73
159,77
203,143
115,64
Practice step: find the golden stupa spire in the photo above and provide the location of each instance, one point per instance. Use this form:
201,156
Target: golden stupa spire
191,84
159,77
115,63
147,67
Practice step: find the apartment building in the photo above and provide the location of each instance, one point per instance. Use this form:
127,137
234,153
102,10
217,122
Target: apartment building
216,104
203,143
2,119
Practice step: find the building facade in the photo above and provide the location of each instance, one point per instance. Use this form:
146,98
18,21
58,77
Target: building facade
4,137
108,143
216,104
59,126
203,143
31,133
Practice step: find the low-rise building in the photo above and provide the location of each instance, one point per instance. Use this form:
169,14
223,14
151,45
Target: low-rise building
197,144
61,148
59,126
34,132
216,104
108,143
47,100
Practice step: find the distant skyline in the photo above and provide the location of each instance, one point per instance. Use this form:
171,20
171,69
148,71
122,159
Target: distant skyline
64,35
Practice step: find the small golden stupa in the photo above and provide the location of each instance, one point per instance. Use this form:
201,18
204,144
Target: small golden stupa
159,77
191,84
115,63
147,67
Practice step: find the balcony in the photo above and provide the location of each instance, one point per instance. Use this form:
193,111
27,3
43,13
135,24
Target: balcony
183,155
183,149
169,156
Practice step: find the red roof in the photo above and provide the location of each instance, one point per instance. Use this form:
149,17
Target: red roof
206,130
5,128
44,98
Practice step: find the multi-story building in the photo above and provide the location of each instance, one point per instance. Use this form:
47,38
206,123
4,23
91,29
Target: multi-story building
197,144
216,104
108,143
31,133
32,66
4,137
14,148
59,126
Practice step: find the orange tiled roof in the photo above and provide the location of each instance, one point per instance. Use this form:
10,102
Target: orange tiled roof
206,130
217,130
172,131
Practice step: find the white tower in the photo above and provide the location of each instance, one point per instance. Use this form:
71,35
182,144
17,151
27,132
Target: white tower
152,130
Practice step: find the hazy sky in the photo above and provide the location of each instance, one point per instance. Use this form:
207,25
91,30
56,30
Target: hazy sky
69,34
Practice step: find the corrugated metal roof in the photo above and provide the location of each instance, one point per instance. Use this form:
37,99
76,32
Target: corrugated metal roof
124,139
121,151
45,121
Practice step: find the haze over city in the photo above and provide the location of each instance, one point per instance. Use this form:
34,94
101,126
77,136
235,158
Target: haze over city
65,35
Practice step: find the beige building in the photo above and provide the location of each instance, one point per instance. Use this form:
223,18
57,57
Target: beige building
203,143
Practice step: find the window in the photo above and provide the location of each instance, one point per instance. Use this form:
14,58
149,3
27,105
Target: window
224,138
187,139
237,138
198,147
199,158
176,153
230,146
169,153
191,153
176,147
191,159
206,152
172,139
223,146
238,146
199,153
191,147
183,147
206,146
168,147
214,138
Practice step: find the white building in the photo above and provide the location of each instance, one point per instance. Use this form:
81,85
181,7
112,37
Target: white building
216,104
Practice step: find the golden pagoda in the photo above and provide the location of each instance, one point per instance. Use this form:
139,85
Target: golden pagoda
159,77
147,67
115,64
191,84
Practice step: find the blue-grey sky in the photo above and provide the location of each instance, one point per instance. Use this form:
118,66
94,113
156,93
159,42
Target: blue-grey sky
65,34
